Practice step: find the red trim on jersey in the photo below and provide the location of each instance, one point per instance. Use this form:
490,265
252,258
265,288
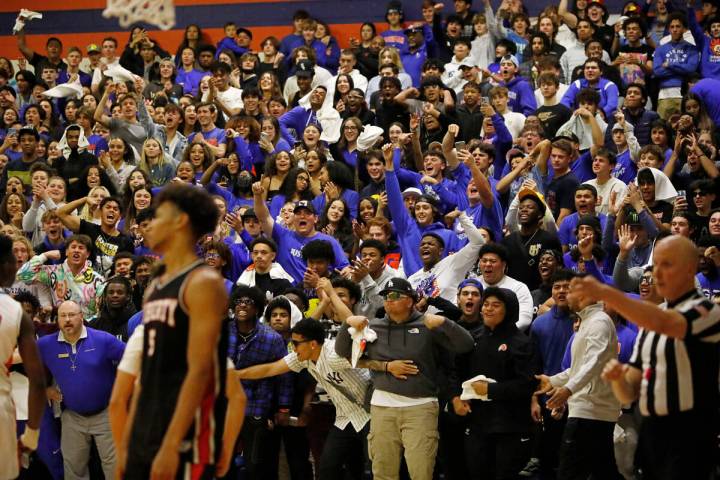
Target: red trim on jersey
197,471
204,441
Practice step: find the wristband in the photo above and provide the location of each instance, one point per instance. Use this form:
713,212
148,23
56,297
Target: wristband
29,438
386,366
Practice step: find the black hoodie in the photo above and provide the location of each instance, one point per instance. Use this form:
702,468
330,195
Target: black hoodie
506,355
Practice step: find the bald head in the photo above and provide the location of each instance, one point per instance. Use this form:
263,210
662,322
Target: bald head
675,263
69,306
681,247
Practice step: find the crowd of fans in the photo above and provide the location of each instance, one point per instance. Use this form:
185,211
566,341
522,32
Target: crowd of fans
471,164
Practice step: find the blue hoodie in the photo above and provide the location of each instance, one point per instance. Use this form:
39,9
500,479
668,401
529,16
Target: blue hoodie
709,48
408,231
608,95
521,95
709,90
682,58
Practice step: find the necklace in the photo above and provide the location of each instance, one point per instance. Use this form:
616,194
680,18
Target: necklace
73,361
530,262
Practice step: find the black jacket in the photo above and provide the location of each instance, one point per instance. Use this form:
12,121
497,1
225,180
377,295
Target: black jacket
506,355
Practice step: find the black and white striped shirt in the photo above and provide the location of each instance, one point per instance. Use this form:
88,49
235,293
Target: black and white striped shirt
679,375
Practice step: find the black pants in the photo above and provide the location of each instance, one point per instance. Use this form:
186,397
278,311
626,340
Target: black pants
550,441
680,446
344,448
451,449
260,449
587,449
498,456
297,451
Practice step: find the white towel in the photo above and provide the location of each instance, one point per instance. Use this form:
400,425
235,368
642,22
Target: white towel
468,392
368,137
23,17
65,90
119,74
360,339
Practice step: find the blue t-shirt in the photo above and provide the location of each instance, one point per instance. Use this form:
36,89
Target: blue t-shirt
214,137
290,245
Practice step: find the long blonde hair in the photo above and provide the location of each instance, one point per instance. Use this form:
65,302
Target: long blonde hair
144,165
395,57
86,213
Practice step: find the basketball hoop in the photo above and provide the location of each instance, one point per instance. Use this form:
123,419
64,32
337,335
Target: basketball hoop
155,12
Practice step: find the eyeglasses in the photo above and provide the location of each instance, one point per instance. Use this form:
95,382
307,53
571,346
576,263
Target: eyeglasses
646,280
211,256
392,296
350,127
297,343
244,301
700,194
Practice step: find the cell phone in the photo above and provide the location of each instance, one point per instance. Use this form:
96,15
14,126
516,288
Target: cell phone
460,145
297,144
682,193
12,131
485,100
265,136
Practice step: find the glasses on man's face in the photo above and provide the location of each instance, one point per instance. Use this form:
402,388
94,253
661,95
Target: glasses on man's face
392,296
699,194
211,256
67,315
244,301
646,280
297,343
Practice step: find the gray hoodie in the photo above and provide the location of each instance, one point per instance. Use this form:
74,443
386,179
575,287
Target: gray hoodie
411,340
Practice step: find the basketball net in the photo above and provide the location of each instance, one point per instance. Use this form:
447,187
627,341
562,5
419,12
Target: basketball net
155,12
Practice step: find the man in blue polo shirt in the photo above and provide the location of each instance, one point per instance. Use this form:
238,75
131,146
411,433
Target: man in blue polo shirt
82,361
291,242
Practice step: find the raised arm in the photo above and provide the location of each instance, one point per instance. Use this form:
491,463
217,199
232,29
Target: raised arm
261,209
407,94
448,146
99,115
569,18
23,46
644,314
487,197
66,216
210,171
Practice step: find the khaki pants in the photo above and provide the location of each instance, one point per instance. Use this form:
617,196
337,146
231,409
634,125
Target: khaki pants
667,107
413,430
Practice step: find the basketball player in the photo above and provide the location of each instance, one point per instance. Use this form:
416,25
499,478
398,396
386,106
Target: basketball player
178,411
16,329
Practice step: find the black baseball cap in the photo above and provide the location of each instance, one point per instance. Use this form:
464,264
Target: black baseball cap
306,204
28,129
399,285
305,68
249,213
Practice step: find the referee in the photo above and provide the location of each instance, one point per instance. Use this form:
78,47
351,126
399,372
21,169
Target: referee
673,370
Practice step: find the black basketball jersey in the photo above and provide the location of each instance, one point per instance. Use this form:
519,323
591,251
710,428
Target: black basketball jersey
164,367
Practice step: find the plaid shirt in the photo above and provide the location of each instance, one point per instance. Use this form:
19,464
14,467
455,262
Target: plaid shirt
262,345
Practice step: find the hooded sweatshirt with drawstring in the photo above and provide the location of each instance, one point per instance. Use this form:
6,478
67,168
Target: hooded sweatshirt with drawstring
409,340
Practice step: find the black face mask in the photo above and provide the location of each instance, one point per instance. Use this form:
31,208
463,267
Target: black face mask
244,183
